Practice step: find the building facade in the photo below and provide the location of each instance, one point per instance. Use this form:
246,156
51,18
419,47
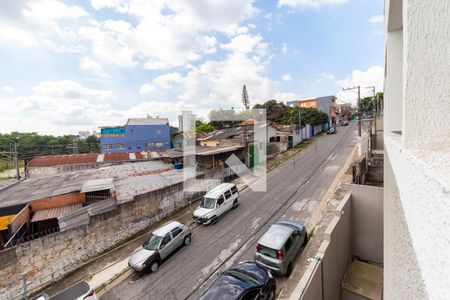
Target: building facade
417,150
138,134
325,104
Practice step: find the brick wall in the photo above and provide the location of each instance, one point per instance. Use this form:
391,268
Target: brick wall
49,258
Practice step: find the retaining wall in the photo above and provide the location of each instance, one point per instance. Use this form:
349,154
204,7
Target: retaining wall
49,258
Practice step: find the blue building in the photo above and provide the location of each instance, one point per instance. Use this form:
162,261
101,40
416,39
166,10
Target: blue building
138,134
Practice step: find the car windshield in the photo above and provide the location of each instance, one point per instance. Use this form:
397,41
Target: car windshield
152,243
249,280
208,203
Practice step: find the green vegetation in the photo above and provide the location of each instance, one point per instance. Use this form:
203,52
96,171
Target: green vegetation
311,233
33,144
280,113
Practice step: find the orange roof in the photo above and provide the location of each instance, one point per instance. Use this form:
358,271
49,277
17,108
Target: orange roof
54,160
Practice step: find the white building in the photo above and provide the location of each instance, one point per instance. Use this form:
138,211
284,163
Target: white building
417,150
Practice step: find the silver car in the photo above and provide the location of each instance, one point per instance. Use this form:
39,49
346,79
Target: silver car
278,247
159,246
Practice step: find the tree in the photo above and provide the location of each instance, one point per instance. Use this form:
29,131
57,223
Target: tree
204,128
245,100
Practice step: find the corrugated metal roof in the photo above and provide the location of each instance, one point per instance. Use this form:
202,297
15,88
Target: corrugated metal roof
54,160
98,185
148,121
74,159
54,213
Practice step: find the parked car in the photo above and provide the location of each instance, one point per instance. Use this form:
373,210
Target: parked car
216,202
332,130
278,247
243,281
344,123
162,242
79,291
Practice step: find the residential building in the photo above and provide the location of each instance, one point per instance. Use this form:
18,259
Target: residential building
417,150
83,134
325,104
138,134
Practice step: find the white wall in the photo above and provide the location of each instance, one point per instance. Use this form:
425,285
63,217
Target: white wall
417,162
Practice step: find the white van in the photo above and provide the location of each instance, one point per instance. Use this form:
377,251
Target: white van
216,202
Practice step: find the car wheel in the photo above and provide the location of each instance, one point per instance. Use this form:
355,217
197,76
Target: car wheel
289,270
187,240
213,220
271,294
154,266
235,203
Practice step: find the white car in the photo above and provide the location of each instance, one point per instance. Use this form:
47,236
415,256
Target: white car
216,202
162,242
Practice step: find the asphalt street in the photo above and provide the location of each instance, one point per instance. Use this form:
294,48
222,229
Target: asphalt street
294,191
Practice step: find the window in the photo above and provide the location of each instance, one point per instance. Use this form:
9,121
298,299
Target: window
120,146
166,239
107,146
234,189
149,145
158,131
176,231
228,194
159,145
288,244
220,201
138,147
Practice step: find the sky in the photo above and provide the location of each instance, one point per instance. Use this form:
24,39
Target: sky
70,66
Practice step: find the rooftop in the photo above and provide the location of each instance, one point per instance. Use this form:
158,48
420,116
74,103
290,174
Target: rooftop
128,179
148,121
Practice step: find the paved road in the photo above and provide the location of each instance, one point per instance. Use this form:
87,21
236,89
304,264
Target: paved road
293,191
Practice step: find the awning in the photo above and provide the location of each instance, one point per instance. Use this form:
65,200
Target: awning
4,220
98,185
54,213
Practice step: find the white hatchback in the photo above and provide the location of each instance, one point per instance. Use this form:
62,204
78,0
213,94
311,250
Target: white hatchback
216,202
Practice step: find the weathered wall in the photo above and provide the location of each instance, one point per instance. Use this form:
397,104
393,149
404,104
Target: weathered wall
367,222
57,201
50,257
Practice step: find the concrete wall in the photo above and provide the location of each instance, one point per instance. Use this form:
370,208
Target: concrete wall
356,230
417,211
51,257
367,222
334,254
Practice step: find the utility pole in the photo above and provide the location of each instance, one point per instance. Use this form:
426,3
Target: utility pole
375,101
358,105
16,161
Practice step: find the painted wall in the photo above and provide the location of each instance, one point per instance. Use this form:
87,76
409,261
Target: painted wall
136,137
417,232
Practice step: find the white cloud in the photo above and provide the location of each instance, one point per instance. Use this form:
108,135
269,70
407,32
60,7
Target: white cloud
374,76
7,88
70,90
285,96
163,82
376,19
309,3
245,43
284,48
287,77
324,77
46,23
93,67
